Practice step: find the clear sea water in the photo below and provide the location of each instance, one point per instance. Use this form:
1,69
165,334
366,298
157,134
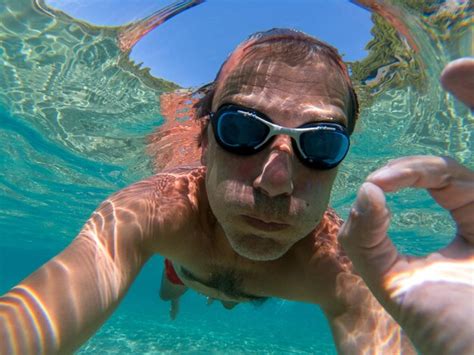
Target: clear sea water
74,116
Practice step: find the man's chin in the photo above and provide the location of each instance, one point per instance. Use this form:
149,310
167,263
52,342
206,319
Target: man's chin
258,248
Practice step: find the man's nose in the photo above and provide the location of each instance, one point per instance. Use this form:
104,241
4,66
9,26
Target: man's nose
276,177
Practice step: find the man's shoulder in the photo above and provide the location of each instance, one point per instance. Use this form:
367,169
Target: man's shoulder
175,205
178,184
193,173
185,181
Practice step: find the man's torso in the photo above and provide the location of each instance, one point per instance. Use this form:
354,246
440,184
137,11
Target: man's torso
205,262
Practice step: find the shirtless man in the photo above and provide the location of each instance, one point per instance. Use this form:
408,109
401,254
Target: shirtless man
252,222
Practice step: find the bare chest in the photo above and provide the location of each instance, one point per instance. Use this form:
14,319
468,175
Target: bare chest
248,281
206,263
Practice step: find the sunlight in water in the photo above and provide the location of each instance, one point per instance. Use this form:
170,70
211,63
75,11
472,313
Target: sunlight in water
449,272
35,315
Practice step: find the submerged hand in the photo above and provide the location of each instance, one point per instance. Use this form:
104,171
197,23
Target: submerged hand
431,297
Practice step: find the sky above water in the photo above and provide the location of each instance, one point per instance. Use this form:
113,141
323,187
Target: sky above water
189,48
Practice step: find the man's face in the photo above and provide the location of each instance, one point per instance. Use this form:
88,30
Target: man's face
268,201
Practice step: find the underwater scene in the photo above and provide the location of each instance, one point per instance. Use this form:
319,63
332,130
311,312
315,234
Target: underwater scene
77,116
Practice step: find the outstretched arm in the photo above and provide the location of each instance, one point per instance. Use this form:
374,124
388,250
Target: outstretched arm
64,302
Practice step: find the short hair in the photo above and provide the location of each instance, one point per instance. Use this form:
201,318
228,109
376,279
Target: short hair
293,47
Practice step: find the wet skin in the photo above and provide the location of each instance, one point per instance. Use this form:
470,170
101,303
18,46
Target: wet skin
189,215
265,207
269,231
250,227
273,185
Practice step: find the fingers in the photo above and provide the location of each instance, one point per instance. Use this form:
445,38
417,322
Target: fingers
364,238
458,78
415,171
450,184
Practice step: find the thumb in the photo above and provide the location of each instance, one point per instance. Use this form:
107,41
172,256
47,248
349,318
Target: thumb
364,237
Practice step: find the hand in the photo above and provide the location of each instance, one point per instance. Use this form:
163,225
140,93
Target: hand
431,297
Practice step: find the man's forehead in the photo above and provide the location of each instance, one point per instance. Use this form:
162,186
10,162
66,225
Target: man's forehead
269,69
264,62
262,76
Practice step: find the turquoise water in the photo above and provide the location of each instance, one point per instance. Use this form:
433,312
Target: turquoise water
74,116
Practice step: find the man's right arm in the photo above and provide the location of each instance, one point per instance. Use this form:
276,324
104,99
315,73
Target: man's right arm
63,303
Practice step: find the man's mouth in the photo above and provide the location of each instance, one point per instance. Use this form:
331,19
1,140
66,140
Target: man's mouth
268,226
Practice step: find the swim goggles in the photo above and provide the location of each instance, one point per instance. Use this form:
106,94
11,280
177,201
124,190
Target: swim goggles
243,131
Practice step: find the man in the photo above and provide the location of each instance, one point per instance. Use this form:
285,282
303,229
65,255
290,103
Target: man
252,222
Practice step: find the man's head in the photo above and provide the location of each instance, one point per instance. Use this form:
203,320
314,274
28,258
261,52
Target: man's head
267,201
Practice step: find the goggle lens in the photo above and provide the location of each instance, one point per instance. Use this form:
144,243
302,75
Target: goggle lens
244,133
241,132
324,149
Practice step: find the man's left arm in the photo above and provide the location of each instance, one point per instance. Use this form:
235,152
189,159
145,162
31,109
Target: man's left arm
438,296
363,326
